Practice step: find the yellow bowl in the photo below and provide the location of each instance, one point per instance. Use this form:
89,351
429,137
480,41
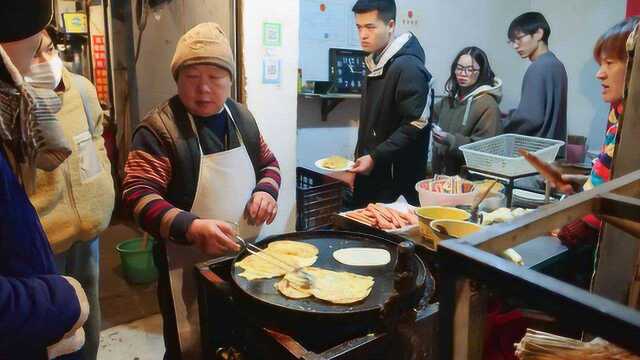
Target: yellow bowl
454,228
428,214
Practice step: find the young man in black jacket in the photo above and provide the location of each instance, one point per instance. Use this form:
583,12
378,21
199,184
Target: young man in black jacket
391,153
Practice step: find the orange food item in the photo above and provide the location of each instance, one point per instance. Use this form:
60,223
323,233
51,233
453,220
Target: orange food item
546,170
382,217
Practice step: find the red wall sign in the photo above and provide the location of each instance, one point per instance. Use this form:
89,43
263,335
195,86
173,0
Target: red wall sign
633,7
100,75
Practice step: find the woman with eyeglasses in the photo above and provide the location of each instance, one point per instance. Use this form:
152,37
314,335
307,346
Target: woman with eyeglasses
468,113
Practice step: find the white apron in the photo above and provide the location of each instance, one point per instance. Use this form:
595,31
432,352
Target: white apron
225,184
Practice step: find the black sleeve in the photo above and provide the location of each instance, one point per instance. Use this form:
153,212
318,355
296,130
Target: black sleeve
412,97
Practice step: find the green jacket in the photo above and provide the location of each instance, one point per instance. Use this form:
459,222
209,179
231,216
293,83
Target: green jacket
472,118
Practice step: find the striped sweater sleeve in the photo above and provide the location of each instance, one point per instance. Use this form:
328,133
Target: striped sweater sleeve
268,171
147,177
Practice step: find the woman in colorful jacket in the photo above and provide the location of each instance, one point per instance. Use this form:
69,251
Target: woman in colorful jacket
611,54
468,113
75,201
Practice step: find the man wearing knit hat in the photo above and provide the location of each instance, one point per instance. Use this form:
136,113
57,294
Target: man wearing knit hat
41,313
198,174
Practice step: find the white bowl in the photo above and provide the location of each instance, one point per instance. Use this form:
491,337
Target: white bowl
432,198
493,202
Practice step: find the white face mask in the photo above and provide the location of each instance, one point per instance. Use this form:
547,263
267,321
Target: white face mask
46,75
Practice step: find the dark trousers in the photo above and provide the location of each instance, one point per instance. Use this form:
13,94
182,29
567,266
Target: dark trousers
165,302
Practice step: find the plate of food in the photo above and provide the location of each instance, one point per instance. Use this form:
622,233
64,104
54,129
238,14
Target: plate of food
334,163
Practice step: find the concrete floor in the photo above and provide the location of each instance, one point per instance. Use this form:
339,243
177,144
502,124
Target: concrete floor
120,301
138,340
132,326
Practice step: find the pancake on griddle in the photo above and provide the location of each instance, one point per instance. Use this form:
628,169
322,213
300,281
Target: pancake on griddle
287,254
331,286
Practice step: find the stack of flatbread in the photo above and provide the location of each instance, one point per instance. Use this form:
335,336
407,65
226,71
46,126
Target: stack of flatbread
331,286
335,162
292,254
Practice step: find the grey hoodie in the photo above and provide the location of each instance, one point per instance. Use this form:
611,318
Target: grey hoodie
472,118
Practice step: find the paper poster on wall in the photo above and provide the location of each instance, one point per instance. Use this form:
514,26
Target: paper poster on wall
75,23
323,21
271,70
271,34
408,20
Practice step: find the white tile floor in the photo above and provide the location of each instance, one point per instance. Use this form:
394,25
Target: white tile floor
137,340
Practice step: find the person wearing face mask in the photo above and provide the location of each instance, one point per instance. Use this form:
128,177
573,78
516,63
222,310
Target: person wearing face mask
391,152
75,201
198,165
610,53
41,312
468,113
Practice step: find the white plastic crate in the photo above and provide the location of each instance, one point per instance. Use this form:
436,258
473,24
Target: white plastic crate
499,155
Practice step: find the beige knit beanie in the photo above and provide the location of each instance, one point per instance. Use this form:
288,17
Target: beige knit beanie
203,44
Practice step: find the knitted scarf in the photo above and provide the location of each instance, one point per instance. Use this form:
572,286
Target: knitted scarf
601,170
28,125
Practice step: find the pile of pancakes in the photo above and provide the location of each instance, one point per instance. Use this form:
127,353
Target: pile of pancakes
331,286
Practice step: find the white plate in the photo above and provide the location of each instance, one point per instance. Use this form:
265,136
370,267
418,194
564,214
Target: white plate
528,195
400,205
318,164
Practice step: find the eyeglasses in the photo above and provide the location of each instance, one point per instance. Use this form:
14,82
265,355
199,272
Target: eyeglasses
518,39
466,69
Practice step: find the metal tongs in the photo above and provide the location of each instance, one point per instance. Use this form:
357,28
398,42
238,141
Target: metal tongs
305,279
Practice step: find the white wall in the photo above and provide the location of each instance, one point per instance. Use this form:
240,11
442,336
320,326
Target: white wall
449,26
575,27
164,28
274,106
318,139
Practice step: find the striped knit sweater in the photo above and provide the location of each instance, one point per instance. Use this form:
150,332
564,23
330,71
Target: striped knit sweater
149,173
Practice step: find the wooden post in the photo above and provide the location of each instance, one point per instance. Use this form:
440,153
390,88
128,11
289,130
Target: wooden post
125,84
461,316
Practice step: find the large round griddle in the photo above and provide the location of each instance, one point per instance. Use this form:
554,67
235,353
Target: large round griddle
263,291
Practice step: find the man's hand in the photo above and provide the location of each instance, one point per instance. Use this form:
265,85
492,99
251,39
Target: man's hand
441,137
212,237
573,183
261,208
363,165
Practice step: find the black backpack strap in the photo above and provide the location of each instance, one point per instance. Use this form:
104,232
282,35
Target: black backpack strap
249,131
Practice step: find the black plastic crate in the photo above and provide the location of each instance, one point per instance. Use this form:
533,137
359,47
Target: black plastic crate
318,197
